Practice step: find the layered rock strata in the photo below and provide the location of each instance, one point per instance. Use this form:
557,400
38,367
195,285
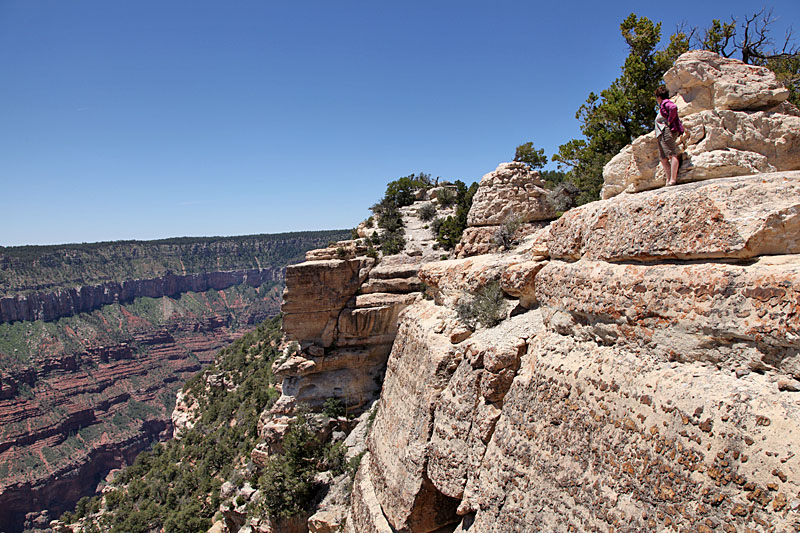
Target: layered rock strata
77,416
652,385
92,358
737,123
68,302
510,203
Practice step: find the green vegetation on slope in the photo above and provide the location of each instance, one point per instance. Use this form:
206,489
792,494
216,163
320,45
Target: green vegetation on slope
448,230
175,486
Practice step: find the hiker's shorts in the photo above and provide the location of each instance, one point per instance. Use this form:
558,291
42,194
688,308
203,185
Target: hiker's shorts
666,145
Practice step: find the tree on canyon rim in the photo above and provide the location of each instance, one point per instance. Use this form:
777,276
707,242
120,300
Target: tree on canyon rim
622,112
625,110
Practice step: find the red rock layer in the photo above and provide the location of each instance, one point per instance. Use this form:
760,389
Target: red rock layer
67,418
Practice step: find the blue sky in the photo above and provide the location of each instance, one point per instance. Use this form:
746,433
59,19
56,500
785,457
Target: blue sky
150,119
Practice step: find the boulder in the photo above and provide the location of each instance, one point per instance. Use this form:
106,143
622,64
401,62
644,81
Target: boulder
733,218
702,80
480,240
511,192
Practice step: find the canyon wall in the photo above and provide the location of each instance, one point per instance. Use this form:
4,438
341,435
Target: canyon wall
645,371
647,376
90,367
67,302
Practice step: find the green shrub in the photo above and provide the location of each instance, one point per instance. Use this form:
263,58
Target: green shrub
392,242
401,191
390,217
335,458
287,482
436,224
341,253
426,212
334,408
446,197
487,307
450,229
449,233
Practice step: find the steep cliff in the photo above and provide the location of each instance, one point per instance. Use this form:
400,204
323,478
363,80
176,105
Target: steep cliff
631,366
89,373
645,380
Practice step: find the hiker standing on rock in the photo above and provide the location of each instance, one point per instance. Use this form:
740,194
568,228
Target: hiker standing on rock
668,127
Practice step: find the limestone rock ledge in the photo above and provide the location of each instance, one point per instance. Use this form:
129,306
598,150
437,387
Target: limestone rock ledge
737,123
650,382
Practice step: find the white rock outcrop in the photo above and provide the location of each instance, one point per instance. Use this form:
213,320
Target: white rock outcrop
736,120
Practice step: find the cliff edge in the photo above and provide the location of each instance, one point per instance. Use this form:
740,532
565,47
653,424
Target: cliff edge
645,376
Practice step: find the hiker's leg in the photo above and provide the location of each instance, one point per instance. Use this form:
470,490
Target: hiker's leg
674,163
667,171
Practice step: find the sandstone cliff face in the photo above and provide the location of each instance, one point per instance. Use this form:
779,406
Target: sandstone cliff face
737,123
510,203
341,311
647,379
638,396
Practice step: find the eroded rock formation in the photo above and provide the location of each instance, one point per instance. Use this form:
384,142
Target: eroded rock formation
647,379
737,123
68,302
510,203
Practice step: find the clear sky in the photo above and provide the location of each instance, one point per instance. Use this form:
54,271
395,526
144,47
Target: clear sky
162,118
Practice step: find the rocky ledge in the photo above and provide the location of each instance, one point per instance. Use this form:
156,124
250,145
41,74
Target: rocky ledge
645,375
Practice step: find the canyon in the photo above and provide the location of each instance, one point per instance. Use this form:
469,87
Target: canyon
644,374
92,360
631,364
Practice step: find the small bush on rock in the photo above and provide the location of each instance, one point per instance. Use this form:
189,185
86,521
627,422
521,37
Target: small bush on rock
446,197
333,407
504,236
426,212
487,307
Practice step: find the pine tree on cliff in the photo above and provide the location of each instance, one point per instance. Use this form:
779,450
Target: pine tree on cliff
622,112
